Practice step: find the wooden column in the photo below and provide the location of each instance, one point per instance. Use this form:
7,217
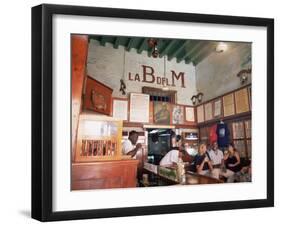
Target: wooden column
79,52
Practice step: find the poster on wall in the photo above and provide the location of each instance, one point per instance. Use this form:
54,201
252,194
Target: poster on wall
162,113
120,109
200,113
242,101
178,114
208,111
139,107
228,105
189,114
217,108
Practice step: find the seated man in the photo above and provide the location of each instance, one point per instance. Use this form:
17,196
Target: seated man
130,146
217,160
203,163
174,155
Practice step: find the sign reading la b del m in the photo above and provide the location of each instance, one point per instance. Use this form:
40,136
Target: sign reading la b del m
148,76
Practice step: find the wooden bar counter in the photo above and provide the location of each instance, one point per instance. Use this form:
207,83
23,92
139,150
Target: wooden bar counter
104,174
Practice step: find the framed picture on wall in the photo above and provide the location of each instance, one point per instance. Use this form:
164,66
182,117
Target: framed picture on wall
217,108
178,114
98,96
162,113
64,44
189,114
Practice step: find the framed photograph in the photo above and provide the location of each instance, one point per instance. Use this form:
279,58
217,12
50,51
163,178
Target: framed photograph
87,61
178,114
162,113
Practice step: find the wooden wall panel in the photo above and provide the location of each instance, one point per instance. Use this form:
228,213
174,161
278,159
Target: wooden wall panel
79,52
107,174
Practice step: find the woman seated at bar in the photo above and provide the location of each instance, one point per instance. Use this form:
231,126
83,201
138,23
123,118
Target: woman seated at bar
203,163
232,163
175,154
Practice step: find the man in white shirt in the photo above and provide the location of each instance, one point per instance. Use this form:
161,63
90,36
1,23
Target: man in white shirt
130,146
175,155
216,156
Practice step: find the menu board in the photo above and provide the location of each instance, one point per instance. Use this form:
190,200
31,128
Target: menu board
139,107
189,114
242,101
120,109
178,114
228,105
208,111
217,108
200,113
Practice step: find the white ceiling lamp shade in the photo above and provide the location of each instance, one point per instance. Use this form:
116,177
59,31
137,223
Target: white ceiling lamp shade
221,47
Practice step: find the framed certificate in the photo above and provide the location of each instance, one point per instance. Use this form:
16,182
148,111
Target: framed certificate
139,107
120,109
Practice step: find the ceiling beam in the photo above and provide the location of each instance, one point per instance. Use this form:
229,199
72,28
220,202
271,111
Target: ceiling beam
129,44
178,50
189,53
142,45
116,42
204,54
167,48
103,40
204,48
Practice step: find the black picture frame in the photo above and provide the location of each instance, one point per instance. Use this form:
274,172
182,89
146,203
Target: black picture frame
42,107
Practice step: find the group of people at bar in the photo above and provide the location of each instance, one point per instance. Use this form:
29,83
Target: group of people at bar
211,161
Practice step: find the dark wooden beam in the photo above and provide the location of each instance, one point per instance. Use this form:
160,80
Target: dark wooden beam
167,48
188,53
142,45
206,46
204,54
178,50
116,42
129,44
103,40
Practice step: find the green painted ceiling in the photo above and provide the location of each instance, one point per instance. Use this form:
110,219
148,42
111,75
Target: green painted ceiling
190,51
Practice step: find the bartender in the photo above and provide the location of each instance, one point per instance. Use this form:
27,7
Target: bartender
175,154
130,146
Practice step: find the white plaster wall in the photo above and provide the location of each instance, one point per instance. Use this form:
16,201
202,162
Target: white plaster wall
106,65
217,73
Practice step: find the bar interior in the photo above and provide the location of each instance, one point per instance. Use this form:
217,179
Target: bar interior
152,111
